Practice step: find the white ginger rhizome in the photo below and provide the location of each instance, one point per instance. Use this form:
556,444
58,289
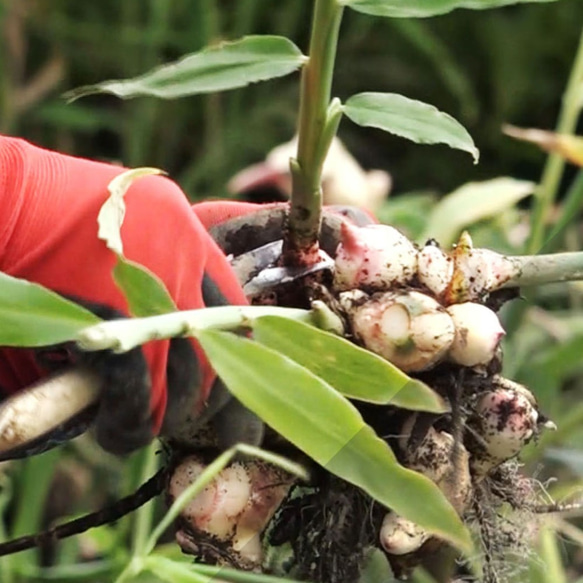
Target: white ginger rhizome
426,311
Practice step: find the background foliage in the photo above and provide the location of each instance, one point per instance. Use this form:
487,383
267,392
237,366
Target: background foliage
484,68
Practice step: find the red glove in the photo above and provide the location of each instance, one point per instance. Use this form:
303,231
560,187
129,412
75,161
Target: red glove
48,234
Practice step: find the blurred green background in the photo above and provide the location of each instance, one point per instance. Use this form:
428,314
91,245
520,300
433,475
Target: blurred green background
484,68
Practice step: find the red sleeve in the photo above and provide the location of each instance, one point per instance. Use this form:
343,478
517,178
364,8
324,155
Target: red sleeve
48,234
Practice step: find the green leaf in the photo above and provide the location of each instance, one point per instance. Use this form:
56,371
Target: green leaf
425,8
319,421
173,571
32,315
226,575
351,370
573,458
473,202
407,212
144,291
376,568
228,65
414,120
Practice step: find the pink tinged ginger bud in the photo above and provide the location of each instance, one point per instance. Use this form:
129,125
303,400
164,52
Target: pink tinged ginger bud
376,257
478,333
409,329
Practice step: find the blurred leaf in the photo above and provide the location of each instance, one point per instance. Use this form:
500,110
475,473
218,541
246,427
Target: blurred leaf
568,425
425,8
556,360
417,121
473,202
144,291
81,572
376,568
32,315
407,212
317,419
573,458
351,370
445,62
228,65
546,370
546,566
173,571
420,575
76,117
226,575
33,491
569,210
569,147
523,346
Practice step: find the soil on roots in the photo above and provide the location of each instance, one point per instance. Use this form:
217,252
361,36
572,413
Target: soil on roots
329,529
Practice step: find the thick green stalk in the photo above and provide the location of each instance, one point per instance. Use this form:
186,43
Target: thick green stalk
553,171
313,139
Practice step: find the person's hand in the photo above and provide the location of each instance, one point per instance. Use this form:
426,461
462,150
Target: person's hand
48,235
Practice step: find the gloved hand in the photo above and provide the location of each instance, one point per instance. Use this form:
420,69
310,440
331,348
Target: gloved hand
48,235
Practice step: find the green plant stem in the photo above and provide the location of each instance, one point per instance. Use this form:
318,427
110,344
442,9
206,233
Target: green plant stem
547,191
313,139
532,270
125,334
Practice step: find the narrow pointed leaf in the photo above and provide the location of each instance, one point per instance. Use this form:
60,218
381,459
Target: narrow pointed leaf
319,421
351,370
425,8
32,315
228,65
414,120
